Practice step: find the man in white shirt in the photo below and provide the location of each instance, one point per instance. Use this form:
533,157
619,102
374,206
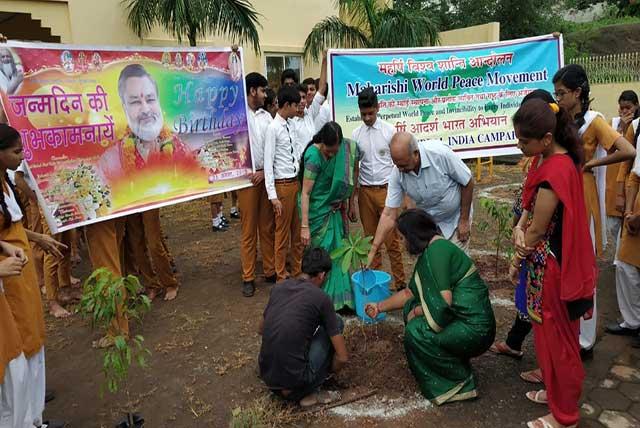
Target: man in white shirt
281,168
257,214
373,138
437,180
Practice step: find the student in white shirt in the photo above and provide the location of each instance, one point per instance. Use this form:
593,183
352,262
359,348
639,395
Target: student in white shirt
303,124
373,138
281,168
257,215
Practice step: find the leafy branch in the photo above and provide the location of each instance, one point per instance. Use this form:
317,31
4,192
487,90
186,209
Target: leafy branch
353,252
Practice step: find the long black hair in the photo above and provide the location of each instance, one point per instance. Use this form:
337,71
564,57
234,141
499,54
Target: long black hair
573,76
535,118
329,135
418,229
9,138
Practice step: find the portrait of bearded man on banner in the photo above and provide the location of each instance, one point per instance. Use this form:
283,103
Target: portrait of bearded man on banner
147,144
10,75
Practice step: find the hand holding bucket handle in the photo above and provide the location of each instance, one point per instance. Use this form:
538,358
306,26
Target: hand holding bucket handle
372,310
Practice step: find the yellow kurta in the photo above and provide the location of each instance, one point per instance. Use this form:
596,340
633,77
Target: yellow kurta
23,295
599,133
629,251
10,342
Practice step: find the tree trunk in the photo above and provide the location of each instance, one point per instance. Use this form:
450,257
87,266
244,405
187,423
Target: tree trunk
192,37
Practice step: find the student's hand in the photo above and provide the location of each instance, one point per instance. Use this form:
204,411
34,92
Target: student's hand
11,266
372,310
588,167
234,48
633,223
514,274
277,207
13,251
305,236
626,118
257,177
353,213
3,38
51,246
464,230
324,55
371,256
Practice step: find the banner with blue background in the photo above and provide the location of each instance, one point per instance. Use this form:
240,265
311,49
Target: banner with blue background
462,95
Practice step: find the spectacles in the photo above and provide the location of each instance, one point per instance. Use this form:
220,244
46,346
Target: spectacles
559,94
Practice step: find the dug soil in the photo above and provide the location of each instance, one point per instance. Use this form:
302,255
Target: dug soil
204,351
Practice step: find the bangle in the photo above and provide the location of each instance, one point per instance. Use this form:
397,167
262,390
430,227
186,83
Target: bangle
304,227
518,227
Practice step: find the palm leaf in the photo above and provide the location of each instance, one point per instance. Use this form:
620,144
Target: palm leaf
141,15
332,32
404,28
236,19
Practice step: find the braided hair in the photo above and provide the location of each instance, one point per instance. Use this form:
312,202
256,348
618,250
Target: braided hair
573,76
9,138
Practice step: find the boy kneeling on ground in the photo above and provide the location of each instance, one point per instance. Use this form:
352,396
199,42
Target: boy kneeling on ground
302,337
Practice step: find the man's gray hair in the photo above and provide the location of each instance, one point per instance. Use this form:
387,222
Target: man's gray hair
413,144
133,70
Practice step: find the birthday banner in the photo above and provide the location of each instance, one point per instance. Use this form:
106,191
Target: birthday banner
108,132
462,95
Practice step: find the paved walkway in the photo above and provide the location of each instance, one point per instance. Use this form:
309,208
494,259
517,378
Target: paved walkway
611,395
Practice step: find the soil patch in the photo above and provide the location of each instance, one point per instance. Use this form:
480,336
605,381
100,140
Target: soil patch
377,359
495,279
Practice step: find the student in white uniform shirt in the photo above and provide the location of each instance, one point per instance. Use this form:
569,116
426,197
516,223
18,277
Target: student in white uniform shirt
281,168
373,138
303,124
257,215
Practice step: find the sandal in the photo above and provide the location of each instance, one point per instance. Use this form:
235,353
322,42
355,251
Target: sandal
501,348
545,424
532,376
535,396
327,397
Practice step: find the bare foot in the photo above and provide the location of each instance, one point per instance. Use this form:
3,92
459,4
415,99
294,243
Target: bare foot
171,293
152,294
75,282
58,311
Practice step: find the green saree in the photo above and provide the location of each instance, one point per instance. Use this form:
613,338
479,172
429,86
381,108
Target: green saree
440,343
333,185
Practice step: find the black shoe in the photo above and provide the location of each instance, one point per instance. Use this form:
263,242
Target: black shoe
636,343
586,354
219,228
271,279
49,395
54,424
224,220
235,215
618,330
248,288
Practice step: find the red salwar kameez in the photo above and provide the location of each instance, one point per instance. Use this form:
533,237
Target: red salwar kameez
555,285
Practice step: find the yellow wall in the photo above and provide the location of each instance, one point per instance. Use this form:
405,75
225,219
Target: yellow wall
477,34
285,25
605,97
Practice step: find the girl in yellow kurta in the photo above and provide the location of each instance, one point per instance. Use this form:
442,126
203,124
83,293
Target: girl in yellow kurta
602,146
21,291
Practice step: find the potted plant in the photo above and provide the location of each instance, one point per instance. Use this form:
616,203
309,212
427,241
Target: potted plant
103,293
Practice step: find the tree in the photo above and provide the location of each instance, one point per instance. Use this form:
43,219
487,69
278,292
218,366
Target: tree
192,19
368,24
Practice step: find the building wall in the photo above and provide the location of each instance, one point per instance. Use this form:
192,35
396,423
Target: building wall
285,25
605,97
477,34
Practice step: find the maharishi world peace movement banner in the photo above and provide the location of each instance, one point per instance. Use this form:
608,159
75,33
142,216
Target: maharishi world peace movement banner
462,95
109,131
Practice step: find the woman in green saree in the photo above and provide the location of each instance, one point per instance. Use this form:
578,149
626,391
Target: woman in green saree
447,312
328,169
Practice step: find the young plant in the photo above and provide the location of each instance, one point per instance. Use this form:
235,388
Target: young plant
502,215
103,294
353,252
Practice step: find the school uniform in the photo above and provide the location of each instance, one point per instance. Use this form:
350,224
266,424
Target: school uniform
376,167
281,168
257,218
